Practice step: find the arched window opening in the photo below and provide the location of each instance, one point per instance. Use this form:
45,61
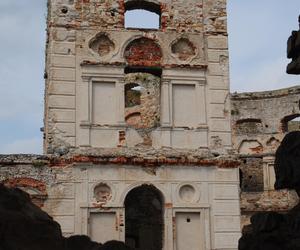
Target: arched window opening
291,123
142,100
144,218
142,15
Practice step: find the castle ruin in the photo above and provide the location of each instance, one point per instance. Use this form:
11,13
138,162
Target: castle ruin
143,142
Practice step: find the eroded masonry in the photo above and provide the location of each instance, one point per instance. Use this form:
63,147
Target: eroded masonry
259,122
137,126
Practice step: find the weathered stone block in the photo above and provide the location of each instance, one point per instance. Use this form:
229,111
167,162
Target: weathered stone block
226,192
226,240
61,88
62,74
227,223
220,125
214,55
63,61
61,101
63,48
59,115
67,129
217,42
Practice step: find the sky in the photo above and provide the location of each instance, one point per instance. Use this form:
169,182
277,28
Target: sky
258,31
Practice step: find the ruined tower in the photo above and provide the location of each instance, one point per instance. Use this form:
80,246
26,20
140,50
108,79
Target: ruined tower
141,121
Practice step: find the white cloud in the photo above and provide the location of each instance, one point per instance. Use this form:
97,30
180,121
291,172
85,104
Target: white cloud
25,146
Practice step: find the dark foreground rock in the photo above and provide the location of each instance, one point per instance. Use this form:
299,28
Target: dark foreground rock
271,230
287,162
24,226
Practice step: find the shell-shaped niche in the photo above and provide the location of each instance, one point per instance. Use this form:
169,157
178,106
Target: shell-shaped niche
184,49
102,45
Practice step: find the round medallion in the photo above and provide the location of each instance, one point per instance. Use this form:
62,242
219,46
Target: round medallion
187,193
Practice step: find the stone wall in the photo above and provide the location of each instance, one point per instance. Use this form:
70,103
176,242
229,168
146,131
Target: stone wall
87,43
176,138
260,120
78,190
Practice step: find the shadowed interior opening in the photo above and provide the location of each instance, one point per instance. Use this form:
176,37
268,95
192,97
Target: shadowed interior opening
144,218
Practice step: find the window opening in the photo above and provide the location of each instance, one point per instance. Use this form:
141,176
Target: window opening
291,123
142,15
132,95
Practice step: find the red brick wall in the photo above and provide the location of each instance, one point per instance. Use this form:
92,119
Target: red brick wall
143,52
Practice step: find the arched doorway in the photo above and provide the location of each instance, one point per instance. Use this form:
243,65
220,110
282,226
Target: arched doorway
144,218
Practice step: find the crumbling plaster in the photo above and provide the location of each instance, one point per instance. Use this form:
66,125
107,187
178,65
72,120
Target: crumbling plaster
72,189
258,126
95,159
73,30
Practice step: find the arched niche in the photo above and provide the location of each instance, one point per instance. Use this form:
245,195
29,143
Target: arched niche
144,208
143,52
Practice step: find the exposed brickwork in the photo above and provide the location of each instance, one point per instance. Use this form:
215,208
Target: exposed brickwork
154,161
35,188
26,182
253,202
252,175
143,52
181,17
259,123
100,13
149,108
